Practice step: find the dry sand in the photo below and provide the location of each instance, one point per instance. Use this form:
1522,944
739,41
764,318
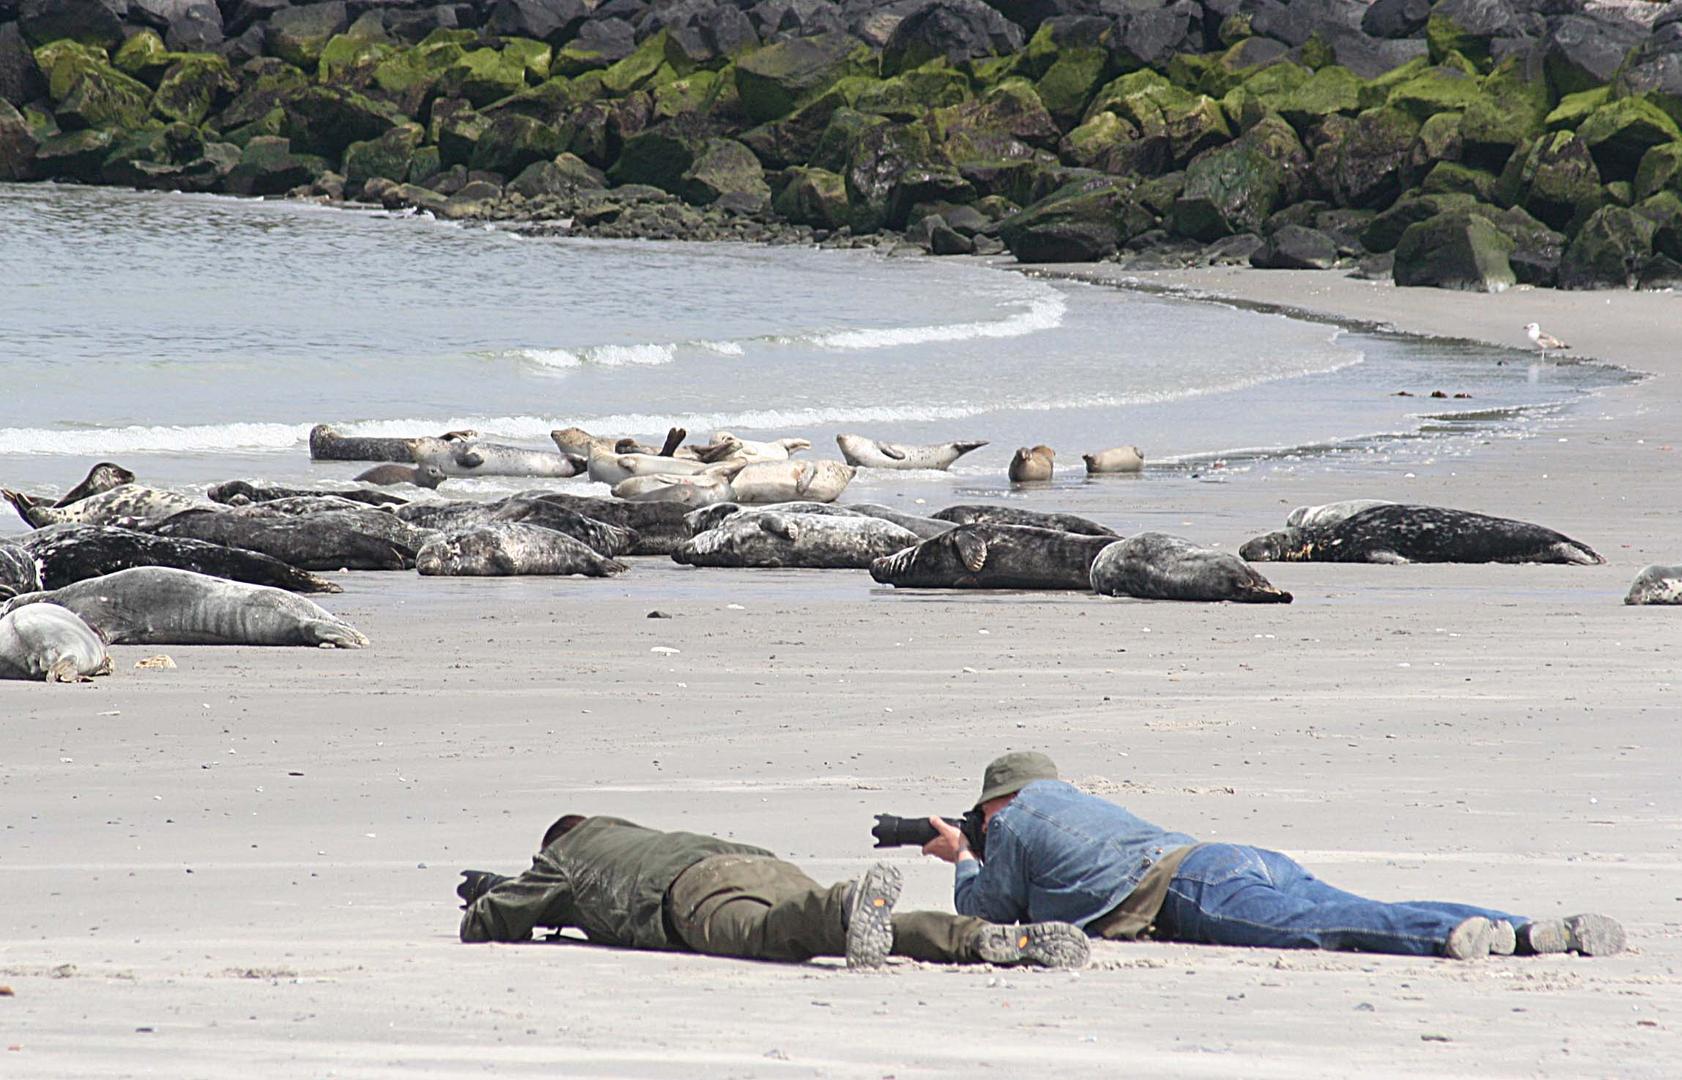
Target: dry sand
244,867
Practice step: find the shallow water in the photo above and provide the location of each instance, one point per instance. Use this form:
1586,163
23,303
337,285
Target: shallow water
196,338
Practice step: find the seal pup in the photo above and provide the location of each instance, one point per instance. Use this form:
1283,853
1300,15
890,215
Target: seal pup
18,572
772,540
70,553
1117,459
509,548
1031,463
46,642
128,504
312,543
792,481
876,454
1318,517
659,527
602,538
156,605
326,444
421,476
984,513
703,489
244,493
1156,566
1402,533
994,557
1656,585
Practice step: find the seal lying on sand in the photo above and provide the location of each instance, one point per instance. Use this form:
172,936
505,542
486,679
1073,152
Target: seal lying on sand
1403,533
768,539
1656,585
309,543
155,605
727,446
1156,566
456,456
328,445
307,505
100,479
876,454
1117,459
924,527
711,517
616,468
128,504
18,572
1318,517
581,443
70,553
508,548
994,557
423,476
791,481
1032,463
685,491
44,641
982,513
599,536
243,493
658,526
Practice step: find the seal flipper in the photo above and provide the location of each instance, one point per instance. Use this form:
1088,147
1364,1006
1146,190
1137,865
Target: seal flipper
674,439
469,458
808,474
777,525
965,447
971,549
891,451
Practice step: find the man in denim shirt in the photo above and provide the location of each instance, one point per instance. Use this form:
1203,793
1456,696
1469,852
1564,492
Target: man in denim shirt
1055,852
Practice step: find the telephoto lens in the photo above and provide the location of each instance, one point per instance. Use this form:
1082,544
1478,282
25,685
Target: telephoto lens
893,831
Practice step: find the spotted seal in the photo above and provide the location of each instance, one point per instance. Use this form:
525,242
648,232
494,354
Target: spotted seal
156,605
1318,517
1656,585
994,557
791,481
769,539
70,553
458,456
1403,533
18,572
659,527
985,513
326,444
46,642
508,548
421,476
308,543
601,537
877,454
711,517
1117,459
103,477
243,493
1031,463
1156,566
128,504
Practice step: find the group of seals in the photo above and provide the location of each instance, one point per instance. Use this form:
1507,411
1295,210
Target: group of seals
67,554
19,572
1405,533
47,642
1037,463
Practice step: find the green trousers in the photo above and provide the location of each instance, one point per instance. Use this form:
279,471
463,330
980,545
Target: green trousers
759,908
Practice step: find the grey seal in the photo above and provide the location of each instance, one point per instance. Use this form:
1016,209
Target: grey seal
599,536
1032,463
305,506
659,527
1656,585
455,455
421,476
1156,566
508,548
994,557
711,517
100,479
18,571
326,444
156,605
1402,533
46,642
126,505
1318,517
984,513
876,454
70,553
243,493
771,540
1117,459
616,467
308,543
924,527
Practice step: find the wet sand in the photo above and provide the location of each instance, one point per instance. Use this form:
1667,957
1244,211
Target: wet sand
244,866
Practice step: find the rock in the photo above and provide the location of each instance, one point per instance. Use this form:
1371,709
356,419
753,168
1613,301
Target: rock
1451,177
1070,62
815,197
1395,18
660,156
787,20
476,200
1511,110
1660,170
512,142
298,34
945,240
1461,249
1294,247
565,174
1469,27
781,76
1329,90
1654,68
1583,53
726,169
20,78
388,156
890,168
1385,230
912,95
1553,179
637,70
1609,251
194,86
1231,189
1537,249
1078,223
268,167
1619,134
1007,122
101,97
483,76
73,155
325,120
17,145
600,43
1436,90
91,22
1661,273
186,25
269,85
1367,163
953,30
352,57
552,21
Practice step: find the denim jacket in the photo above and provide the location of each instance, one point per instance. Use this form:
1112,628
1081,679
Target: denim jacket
1058,853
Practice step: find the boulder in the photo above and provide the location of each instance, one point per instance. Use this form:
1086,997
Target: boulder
1110,144
890,168
194,86
660,156
1436,90
791,20
1295,247
638,69
186,25
1395,18
483,76
1654,69
1511,110
17,145
776,79
352,57
1583,53
1554,179
1609,251
20,78
1367,163
1660,170
815,197
552,21
477,199
1470,27
725,169
1451,177
73,155
1228,190
144,56
1007,122
388,156
91,22
512,142
1537,249
268,166
1081,222
269,85
298,34
913,94
1384,231
567,173
1190,122
952,30
325,120
1620,133
600,43
1330,90
98,96
1071,65
1150,37
1461,249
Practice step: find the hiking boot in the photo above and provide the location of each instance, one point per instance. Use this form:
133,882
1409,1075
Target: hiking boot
1047,944
1469,940
1503,939
870,915
1591,935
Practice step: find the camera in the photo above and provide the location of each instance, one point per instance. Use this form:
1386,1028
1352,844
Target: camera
891,830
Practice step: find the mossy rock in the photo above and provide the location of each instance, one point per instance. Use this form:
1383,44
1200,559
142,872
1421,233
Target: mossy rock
388,156
690,94
777,79
142,55
1385,230
512,142
551,101
1273,83
64,62
1573,109
845,128
1660,170
815,197
1327,91
73,155
269,84
269,167
1229,190
1376,92
879,161
1555,179
794,139
1007,121
1440,89
1368,166
325,120
351,56
482,76
915,93
18,145
299,34
725,169
194,87
659,157
1453,178
537,57
103,97
638,69
1190,122
1081,222
1621,132
456,131
1071,80
409,76
1511,110
1461,249
271,123
1609,251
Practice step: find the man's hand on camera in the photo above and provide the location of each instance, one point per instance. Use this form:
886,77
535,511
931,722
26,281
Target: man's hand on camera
949,845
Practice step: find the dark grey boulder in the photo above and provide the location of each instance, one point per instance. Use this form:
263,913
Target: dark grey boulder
1151,37
779,20
1395,18
1295,247
185,25
73,155
1583,53
553,21
955,30
1078,223
1457,250
1609,251
17,145
92,22
20,78
239,16
412,27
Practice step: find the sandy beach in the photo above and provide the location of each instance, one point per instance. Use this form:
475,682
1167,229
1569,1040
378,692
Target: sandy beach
244,867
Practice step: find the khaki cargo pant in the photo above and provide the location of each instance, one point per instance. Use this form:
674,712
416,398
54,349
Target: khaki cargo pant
759,908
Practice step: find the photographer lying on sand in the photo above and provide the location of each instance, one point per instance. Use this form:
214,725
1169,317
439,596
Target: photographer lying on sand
623,884
1054,852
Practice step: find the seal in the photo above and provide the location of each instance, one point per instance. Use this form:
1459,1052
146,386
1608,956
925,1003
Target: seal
1656,585
306,505
18,572
599,536
772,540
308,543
445,515
876,454
985,513
994,557
1403,533
924,527
1117,459
67,554
791,481
326,444
509,548
727,446
1031,463
1156,566
156,605
101,478
46,642
581,443
711,517
686,491
1318,517
243,493
422,476
128,504
615,468
659,527
458,456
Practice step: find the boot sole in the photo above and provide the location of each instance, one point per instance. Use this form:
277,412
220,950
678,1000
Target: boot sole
870,926
1052,945
1470,940
1590,935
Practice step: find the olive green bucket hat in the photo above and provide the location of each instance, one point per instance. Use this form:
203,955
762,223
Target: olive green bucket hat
1012,772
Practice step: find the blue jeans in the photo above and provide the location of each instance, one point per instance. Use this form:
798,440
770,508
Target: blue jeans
1232,894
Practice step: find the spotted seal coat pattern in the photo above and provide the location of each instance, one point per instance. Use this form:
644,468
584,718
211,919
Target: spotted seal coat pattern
601,537
877,454
71,553
18,571
326,444
988,514
1656,585
994,557
509,548
659,527
45,642
156,605
711,517
1404,533
1318,517
772,540
130,504
243,493
924,527
1156,566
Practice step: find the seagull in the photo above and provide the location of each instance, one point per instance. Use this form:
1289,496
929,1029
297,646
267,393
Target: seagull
1543,341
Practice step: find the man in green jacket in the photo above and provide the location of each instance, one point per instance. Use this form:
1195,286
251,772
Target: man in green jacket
623,884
